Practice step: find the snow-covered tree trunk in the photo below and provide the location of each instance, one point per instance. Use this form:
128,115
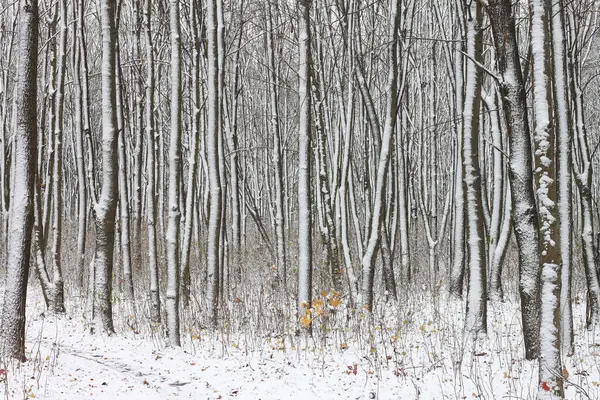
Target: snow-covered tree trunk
212,144
564,134
82,205
514,104
173,229
403,203
328,229
106,207
235,170
223,277
349,123
124,221
496,212
151,168
498,257
457,270
582,165
543,43
21,208
138,153
476,316
57,293
190,205
368,260
305,266
281,259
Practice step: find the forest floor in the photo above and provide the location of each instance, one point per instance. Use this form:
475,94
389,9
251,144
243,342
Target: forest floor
418,353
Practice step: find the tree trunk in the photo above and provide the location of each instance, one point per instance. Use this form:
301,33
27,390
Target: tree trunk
173,230
305,265
106,207
21,209
368,260
476,317
544,39
514,102
212,144
150,170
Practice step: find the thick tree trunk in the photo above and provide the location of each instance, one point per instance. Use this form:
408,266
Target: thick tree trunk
476,317
544,41
512,90
457,270
105,209
21,209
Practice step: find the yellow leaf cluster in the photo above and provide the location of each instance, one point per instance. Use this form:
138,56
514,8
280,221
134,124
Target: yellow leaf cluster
306,319
318,307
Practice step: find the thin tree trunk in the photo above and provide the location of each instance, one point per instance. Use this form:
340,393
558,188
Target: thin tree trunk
212,144
150,170
57,296
305,265
368,260
173,229
82,207
193,169
281,260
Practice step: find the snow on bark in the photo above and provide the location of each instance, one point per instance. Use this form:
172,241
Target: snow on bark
212,144
304,205
106,207
21,208
564,182
512,90
545,132
457,271
281,260
583,178
368,260
150,168
173,230
497,209
476,316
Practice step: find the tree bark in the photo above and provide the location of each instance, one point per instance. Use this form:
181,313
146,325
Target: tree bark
212,144
476,316
526,228
105,209
21,209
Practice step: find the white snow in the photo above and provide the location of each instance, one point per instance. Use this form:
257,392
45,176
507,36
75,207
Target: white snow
411,351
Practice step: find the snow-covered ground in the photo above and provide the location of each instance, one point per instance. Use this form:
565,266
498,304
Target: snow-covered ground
410,351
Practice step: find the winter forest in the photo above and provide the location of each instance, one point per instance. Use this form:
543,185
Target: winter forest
299,199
